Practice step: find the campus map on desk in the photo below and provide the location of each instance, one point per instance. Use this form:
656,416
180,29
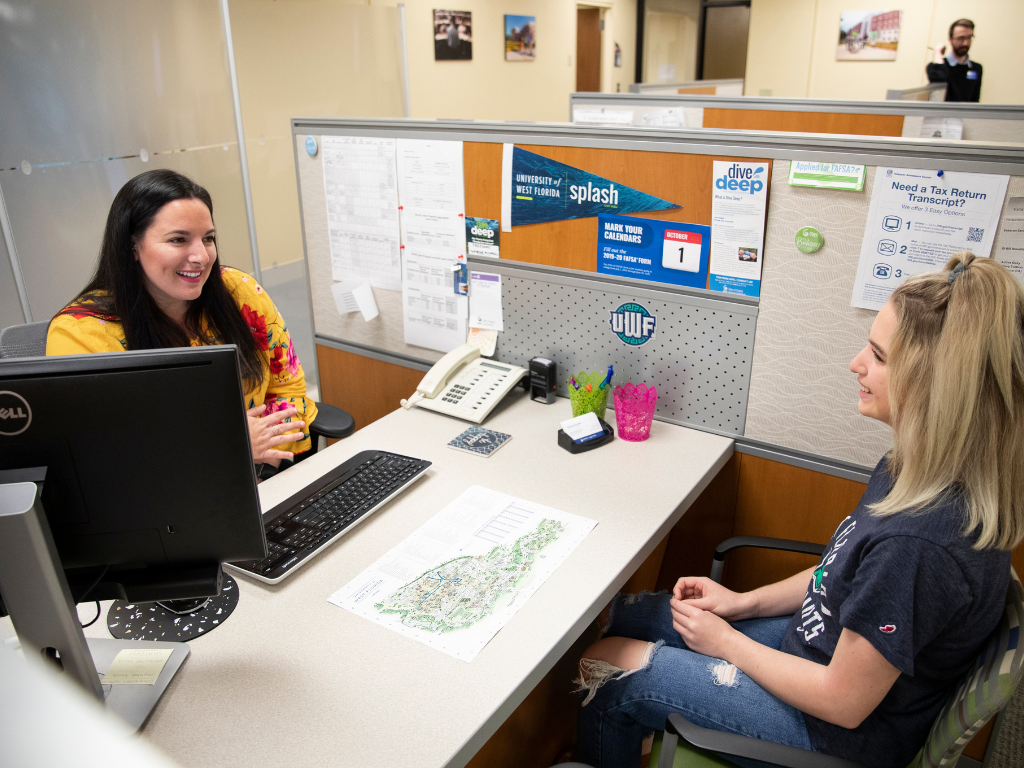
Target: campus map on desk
460,578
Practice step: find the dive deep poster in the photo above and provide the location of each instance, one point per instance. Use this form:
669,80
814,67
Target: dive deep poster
649,249
536,189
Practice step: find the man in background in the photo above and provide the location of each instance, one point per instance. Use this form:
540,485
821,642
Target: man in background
954,67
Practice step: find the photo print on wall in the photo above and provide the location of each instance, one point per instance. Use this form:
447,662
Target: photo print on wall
453,35
520,38
868,35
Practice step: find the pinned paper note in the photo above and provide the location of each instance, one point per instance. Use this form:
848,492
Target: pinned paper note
485,301
364,300
355,295
485,341
137,666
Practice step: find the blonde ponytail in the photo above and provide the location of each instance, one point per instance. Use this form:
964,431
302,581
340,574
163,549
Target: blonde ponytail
956,389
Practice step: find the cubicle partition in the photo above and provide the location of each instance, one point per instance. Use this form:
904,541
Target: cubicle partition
802,411
930,92
727,87
907,119
770,371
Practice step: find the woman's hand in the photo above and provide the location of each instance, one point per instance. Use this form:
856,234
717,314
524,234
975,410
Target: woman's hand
267,431
703,631
707,595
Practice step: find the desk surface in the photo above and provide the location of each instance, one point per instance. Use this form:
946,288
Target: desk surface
292,679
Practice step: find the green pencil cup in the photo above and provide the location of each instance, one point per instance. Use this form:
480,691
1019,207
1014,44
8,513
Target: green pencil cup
593,401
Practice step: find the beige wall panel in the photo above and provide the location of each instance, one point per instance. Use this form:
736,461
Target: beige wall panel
385,331
996,45
670,37
779,47
831,79
619,27
297,58
802,395
791,51
488,87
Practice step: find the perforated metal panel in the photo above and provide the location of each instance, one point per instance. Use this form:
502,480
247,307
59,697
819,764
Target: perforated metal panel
699,358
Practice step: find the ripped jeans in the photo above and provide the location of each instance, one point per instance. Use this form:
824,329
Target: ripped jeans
706,691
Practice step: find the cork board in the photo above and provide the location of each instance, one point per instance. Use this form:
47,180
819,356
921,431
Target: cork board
682,179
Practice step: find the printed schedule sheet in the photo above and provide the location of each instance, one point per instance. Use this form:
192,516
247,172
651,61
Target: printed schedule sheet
361,188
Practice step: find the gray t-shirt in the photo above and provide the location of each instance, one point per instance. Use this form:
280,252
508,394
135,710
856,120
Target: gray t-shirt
913,586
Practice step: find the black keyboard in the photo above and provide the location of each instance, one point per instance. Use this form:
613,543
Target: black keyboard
313,518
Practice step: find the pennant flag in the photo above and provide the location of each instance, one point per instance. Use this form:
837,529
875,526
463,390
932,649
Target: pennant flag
542,190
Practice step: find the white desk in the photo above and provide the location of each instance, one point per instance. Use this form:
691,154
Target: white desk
291,680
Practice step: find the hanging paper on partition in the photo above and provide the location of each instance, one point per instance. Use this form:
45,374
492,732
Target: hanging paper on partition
648,249
739,198
536,189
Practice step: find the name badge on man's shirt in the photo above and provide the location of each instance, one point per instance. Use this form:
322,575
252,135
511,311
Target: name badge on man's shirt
972,74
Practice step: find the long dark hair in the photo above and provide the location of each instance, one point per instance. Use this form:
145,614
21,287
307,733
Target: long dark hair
123,294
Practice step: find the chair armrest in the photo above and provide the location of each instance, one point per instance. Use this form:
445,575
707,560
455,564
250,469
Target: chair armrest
750,748
332,422
761,542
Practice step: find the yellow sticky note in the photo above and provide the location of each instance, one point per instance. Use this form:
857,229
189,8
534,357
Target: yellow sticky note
137,666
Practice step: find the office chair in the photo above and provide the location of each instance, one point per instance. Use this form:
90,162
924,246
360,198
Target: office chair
982,695
30,341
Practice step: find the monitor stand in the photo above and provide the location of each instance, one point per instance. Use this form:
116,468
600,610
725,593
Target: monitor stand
43,612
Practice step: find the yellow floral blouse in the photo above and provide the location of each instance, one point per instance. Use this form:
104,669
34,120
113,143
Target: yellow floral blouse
80,328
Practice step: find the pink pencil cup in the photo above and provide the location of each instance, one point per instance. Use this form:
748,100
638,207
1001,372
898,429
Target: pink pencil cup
634,410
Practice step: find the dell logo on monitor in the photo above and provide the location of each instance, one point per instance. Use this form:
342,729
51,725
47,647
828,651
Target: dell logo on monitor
15,415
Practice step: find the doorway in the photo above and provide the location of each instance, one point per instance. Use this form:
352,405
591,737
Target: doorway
588,49
722,41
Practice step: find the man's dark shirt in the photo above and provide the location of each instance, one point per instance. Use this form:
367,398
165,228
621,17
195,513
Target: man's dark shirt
963,80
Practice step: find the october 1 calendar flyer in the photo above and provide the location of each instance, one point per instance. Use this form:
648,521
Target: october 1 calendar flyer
917,220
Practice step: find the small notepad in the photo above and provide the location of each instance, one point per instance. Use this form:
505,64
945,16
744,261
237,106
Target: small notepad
137,666
482,442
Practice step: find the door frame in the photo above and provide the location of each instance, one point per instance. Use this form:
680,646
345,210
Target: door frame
702,19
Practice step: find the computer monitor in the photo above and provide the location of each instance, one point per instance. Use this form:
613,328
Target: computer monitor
145,477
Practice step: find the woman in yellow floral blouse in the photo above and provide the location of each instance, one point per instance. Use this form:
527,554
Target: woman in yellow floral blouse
159,284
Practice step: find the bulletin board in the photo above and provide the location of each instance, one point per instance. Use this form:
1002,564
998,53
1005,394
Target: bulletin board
684,179
794,390
802,395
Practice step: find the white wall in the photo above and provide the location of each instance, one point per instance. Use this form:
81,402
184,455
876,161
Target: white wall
792,44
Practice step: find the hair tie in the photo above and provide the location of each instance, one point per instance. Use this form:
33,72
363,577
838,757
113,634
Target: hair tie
956,272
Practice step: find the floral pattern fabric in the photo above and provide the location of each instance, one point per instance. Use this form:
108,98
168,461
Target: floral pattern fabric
80,328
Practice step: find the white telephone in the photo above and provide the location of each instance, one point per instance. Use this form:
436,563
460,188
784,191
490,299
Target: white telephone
464,386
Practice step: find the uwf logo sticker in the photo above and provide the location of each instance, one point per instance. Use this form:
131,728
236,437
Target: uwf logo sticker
633,324
15,415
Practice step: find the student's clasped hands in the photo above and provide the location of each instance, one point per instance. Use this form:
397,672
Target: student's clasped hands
702,610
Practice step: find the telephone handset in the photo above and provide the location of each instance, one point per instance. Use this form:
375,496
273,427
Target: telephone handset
463,385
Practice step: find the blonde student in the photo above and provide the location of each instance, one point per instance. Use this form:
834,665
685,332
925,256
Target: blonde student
855,656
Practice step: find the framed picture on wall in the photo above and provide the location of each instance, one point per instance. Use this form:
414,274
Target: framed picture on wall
453,35
868,35
520,38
